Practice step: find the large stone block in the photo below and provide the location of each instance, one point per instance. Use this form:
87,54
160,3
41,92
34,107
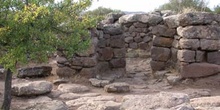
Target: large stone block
147,39
210,44
118,63
160,53
189,43
102,67
39,71
200,56
186,55
117,41
133,45
187,19
129,39
195,70
138,39
105,53
112,29
65,72
119,53
88,72
214,57
162,30
157,65
144,46
140,25
171,21
162,41
199,32
89,61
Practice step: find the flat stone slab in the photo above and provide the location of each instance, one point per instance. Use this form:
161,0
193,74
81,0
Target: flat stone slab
31,88
99,83
206,103
117,87
72,88
39,71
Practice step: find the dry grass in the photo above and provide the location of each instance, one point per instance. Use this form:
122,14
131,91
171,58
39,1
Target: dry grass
188,10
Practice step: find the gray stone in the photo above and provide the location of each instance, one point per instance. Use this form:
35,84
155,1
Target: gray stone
213,57
129,39
133,45
174,79
157,65
76,61
193,44
176,44
159,101
72,88
162,41
171,21
102,67
138,39
200,56
112,29
39,71
196,70
65,72
54,94
102,43
88,72
144,46
186,55
60,81
99,83
160,53
112,18
210,44
28,88
118,63
162,30
117,87
61,60
203,32
140,25
106,53
174,54
195,19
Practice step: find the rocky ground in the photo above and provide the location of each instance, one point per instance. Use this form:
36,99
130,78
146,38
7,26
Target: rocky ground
138,90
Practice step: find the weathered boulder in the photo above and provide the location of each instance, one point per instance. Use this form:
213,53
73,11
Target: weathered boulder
162,30
72,88
213,57
159,101
112,17
186,55
39,71
117,87
195,19
162,41
160,53
31,88
195,70
210,32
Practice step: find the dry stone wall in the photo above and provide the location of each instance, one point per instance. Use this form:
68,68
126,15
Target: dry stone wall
104,58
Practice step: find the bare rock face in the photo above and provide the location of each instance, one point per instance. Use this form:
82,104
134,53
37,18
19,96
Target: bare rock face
39,71
28,88
72,88
195,70
117,87
160,101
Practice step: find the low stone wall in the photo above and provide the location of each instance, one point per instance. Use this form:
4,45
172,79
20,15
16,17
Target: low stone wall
105,57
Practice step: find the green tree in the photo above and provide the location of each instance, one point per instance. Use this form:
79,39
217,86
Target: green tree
180,5
101,12
217,9
32,30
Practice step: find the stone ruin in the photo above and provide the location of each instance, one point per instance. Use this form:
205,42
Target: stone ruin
188,42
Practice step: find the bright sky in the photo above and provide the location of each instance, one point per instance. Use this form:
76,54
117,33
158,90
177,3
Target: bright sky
137,5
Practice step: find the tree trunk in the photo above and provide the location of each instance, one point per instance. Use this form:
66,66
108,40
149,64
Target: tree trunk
7,92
